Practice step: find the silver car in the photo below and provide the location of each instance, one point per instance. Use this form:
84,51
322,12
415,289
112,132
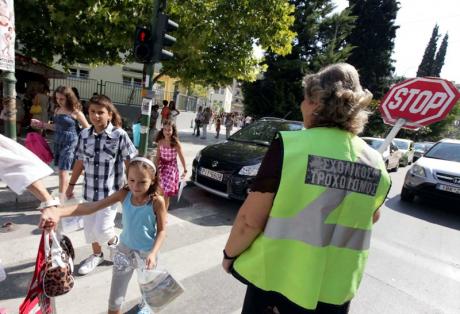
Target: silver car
391,156
437,173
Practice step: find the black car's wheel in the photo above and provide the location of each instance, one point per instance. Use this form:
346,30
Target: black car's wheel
407,195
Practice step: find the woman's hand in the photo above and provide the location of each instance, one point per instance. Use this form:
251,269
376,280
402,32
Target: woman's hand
37,124
49,218
151,261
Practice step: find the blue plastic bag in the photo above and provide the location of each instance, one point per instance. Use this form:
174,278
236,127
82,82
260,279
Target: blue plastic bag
136,134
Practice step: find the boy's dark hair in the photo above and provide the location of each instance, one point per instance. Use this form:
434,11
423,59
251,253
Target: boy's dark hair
165,103
106,102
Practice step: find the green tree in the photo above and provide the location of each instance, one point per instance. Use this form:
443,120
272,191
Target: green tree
440,56
426,65
373,41
214,41
321,40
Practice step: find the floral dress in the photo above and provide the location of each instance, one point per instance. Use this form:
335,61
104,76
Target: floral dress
65,140
168,170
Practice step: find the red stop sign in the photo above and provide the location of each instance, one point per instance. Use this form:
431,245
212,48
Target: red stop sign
420,101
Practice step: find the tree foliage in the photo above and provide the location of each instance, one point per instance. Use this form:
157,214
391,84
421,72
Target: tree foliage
426,65
321,40
214,41
373,42
440,56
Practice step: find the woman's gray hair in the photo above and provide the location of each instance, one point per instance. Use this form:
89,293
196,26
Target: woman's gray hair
341,99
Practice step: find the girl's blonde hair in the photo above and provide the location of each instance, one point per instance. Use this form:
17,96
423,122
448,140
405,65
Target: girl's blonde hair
106,102
341,99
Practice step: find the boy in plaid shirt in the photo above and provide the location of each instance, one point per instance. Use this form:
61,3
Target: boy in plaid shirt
103,152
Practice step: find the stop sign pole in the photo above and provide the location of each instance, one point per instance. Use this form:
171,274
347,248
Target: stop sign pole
416,102
398,125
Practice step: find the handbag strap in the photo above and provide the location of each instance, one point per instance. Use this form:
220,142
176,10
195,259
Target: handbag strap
55,251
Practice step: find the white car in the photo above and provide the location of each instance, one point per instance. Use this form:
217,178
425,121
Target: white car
407,149
391,156
437,173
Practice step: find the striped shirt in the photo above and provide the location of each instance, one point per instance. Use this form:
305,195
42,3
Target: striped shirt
103,157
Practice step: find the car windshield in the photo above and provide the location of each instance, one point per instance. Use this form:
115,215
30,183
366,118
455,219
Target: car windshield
419,146
402,144
374,143
262,132
445,151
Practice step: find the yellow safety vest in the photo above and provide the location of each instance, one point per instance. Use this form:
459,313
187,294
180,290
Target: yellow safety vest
315,244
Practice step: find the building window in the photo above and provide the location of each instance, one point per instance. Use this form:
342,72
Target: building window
79,73
73,72
127,80
137,82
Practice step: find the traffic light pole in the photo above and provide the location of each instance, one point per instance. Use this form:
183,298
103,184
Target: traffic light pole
147,92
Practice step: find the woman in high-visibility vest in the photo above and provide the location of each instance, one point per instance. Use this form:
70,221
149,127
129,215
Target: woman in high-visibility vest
301,239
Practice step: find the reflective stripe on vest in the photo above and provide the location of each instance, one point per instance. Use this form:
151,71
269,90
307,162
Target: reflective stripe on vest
318,233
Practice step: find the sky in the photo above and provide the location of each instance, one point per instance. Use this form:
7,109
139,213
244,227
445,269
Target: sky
416,19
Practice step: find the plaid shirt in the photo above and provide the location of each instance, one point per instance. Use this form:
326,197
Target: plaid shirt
103,157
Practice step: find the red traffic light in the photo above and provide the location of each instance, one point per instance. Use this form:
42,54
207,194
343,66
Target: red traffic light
143,35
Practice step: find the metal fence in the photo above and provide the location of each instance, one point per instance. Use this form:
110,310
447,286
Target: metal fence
127,98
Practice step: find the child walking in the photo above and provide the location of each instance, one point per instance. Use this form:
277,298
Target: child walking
144,225
168,149
218,123
103,151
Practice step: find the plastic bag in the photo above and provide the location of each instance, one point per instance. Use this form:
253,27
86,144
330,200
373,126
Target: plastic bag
70,224
136,134
38,145
158,287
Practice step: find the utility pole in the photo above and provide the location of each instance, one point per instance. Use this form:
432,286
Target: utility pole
9,103
148,49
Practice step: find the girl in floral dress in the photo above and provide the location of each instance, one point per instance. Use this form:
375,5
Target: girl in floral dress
168,149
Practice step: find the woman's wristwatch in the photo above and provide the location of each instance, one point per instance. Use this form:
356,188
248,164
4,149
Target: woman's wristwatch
226,256
49,203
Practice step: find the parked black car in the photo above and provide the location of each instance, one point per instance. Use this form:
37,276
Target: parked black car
227,169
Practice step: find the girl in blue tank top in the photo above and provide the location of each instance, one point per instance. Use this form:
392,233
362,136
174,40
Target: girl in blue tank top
144,224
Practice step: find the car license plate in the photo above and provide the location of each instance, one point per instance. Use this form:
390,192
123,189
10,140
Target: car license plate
211,174
448,188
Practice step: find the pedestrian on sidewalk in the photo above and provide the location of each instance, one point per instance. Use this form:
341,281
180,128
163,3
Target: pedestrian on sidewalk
228,124
165,112
144,226
67,115
301,239
153,122
198,121
218,123
173,111
103,151
168,148
206,117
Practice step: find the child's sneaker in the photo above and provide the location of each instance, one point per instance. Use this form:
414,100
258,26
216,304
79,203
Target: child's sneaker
90,264
143,308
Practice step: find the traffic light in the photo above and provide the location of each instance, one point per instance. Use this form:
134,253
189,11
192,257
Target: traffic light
143,45
162,39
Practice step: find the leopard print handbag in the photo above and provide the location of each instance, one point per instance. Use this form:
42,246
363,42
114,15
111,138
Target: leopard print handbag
57,277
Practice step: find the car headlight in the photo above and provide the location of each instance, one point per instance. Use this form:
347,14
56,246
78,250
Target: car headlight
250,170
198,156
418,171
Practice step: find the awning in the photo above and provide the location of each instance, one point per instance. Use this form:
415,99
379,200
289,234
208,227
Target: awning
28,64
